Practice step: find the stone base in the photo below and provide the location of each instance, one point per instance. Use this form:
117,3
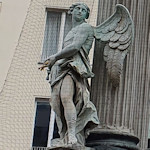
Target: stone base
73,147
108,140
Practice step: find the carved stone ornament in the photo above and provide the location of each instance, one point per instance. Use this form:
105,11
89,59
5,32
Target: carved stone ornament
117,32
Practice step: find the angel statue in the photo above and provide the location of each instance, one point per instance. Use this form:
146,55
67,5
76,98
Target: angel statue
70,69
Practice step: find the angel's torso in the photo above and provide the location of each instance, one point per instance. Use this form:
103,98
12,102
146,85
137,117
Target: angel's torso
78,62
72,33
86,46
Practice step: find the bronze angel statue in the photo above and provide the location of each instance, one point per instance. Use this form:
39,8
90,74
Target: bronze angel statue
70,69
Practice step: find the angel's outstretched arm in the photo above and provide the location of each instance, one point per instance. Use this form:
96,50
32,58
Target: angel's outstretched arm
80,37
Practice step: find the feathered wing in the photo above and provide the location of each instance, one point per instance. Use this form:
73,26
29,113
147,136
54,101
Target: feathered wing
117,31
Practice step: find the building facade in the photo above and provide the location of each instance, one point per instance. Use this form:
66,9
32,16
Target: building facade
24,97
34,30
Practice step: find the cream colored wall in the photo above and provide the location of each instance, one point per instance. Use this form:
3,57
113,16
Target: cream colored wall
24,81
12,16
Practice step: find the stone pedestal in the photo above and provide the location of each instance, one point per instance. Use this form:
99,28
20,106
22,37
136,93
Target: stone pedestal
112,140
74,147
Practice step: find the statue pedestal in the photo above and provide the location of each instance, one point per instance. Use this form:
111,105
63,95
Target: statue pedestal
112,140
73,147
62,148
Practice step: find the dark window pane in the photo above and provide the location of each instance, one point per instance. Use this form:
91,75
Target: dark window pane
148,143
41,124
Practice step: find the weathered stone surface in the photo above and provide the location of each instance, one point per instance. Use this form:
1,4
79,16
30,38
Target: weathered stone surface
70,69
73,147
69,73
117,32
106,140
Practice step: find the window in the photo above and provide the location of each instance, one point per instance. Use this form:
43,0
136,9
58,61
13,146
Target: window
45,127
58,25
41,126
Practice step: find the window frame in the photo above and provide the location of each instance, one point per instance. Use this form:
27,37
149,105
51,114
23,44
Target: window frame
51,122
42,99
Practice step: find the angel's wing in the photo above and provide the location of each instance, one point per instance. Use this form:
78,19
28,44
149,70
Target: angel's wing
117,31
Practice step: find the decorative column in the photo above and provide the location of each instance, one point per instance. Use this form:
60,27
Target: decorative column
123,111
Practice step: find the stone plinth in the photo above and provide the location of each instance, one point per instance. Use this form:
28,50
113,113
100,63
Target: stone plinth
112,140
74,147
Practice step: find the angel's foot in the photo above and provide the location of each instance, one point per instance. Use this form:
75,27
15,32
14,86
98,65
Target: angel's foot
72,139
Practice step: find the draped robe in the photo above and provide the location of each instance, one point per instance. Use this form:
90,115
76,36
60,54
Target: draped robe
78,67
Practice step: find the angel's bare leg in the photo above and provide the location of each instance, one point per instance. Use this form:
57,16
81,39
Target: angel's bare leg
67,92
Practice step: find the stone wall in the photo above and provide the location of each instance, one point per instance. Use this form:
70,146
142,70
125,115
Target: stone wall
125,109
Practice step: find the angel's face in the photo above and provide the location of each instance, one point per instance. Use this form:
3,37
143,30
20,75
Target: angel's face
79,13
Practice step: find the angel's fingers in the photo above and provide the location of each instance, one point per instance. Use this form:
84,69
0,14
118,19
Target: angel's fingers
46,62
41,68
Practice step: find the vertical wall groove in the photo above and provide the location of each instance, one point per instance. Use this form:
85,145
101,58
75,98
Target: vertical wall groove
126,107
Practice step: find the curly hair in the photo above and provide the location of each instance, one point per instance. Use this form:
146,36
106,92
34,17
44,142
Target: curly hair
76,4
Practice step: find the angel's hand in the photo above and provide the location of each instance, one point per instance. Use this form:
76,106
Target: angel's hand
44,65
48,63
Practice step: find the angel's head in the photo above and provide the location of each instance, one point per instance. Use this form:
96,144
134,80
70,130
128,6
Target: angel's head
81,8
